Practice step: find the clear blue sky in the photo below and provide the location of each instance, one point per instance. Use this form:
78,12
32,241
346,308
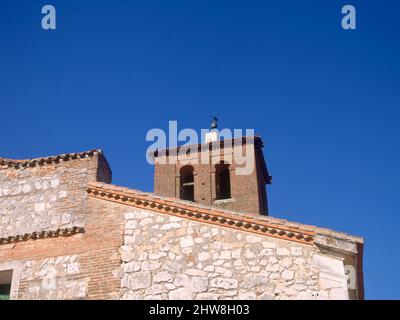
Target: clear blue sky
325,100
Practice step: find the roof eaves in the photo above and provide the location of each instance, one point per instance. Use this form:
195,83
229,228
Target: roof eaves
265,225
17,164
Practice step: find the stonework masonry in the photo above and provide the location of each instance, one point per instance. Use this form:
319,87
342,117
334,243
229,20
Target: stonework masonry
54,278
67,233
47,196
171,258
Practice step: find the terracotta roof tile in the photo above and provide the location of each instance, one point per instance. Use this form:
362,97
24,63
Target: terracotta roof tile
268,225
17,164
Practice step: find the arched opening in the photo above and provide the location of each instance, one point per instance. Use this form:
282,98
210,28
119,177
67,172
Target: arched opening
223,181
187,183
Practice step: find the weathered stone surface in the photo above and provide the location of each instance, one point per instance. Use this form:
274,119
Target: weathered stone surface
154,290
338,294
282,251
53,278
266,296
203,256
180,294
163,276
286,262
224,283
189,260
207,296
296,251
30,202
181,280
247,296
198,284
340,244
140,280
287,274
186,241
132,266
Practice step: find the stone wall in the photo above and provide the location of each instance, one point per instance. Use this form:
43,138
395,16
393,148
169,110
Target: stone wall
53,278
78,266
46,197
166,257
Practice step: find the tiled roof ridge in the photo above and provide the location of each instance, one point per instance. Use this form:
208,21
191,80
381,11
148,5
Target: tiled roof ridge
13,163
265,225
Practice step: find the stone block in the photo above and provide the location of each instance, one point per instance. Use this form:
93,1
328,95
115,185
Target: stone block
224,283
140,280
180,294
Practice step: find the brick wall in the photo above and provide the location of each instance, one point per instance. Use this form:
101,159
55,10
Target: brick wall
247,191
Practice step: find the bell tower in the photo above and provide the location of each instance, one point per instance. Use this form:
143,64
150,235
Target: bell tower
230,174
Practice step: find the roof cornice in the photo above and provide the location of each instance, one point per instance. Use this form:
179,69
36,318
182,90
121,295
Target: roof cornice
42,234
196,212
20,164
220,144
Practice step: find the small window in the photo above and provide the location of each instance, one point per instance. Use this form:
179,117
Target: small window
5,284
223,181
187,183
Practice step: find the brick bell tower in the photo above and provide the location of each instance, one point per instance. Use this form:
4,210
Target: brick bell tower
215,173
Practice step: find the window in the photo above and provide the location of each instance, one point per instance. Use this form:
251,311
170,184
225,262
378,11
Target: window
223,181
187,183
5,284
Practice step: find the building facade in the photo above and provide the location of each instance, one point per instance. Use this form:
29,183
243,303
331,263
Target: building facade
67,233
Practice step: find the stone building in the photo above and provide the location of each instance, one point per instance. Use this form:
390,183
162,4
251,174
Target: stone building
67,233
